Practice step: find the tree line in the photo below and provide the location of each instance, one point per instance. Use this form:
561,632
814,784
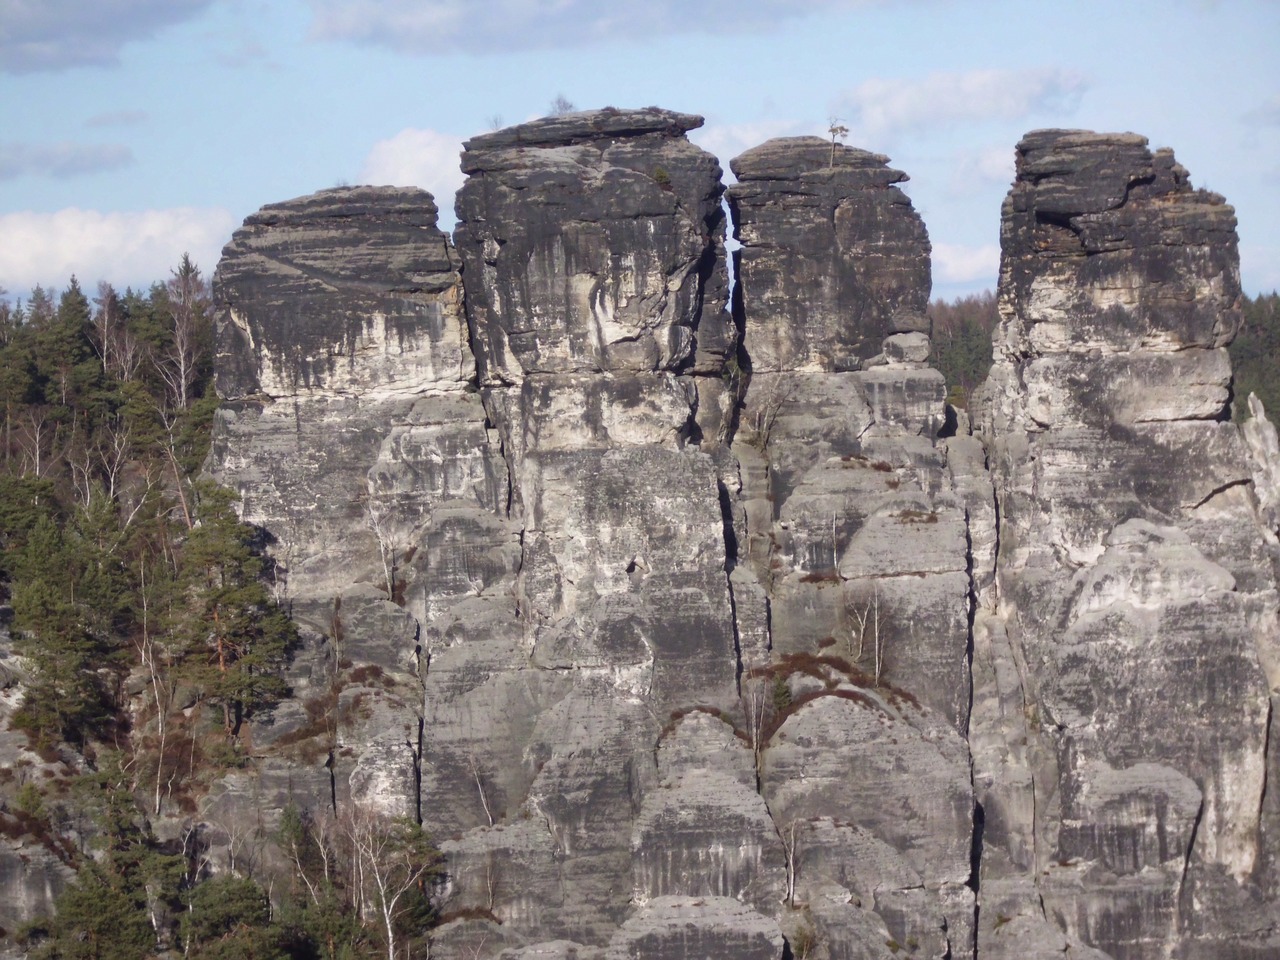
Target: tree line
962,331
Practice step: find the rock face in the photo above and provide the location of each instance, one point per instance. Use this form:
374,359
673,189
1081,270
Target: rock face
1120,699
834,259
354,434
694,631
852,531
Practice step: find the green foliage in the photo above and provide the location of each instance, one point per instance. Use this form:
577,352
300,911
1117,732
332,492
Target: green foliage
229,918
30,801
118,563
101,915
349,869
110,909
781,694
962,342
1255,356
235,638
57,625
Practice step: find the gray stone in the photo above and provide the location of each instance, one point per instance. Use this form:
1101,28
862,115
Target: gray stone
1120,702
679,928
833,258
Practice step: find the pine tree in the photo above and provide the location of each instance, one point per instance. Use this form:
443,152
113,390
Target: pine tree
237,637
63,699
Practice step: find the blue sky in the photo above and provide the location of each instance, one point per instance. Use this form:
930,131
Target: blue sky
132,130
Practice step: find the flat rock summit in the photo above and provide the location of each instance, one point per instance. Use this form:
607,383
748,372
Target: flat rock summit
689,618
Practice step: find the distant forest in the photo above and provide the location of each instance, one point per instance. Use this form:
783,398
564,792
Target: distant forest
139,617
962,348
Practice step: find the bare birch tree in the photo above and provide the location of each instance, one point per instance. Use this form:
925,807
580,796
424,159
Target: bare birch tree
189,307
391,857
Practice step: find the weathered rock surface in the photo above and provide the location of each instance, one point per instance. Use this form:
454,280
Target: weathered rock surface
692,632
673,928
1120,705
853,529
834,258
355,437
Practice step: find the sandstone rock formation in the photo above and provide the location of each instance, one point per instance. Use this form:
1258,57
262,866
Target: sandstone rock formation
694,631
1120,698
355,436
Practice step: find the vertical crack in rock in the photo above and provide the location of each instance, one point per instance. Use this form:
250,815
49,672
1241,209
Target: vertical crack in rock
353,432
593,248
1133,583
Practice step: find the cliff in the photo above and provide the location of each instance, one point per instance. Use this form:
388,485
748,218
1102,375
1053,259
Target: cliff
712,619
693,622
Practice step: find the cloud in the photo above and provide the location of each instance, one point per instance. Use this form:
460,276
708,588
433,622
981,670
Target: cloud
55,34
881,108
418,158
727,141
127,249
432,26
1267,113
975,170
955,263
61,160
117,118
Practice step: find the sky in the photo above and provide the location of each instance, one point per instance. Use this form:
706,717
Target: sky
132,131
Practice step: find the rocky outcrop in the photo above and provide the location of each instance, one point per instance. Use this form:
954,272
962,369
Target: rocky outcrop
700,631
852,529
353,432
834,259
1120,703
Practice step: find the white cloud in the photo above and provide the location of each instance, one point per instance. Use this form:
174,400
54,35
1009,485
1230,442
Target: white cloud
418,158
61,160
430,26
977,170
955,263
55,34
126,249
882,107
727,141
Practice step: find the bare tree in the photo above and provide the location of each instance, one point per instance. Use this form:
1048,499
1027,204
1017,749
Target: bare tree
378,518
189,306
39,432
791,846
863,612
473,767
560,106
756,699
169,420
775,392
838,131
392,857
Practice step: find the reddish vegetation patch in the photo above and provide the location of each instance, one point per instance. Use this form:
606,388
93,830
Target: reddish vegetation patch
823,576
17,824
469,913
678,715
369,675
